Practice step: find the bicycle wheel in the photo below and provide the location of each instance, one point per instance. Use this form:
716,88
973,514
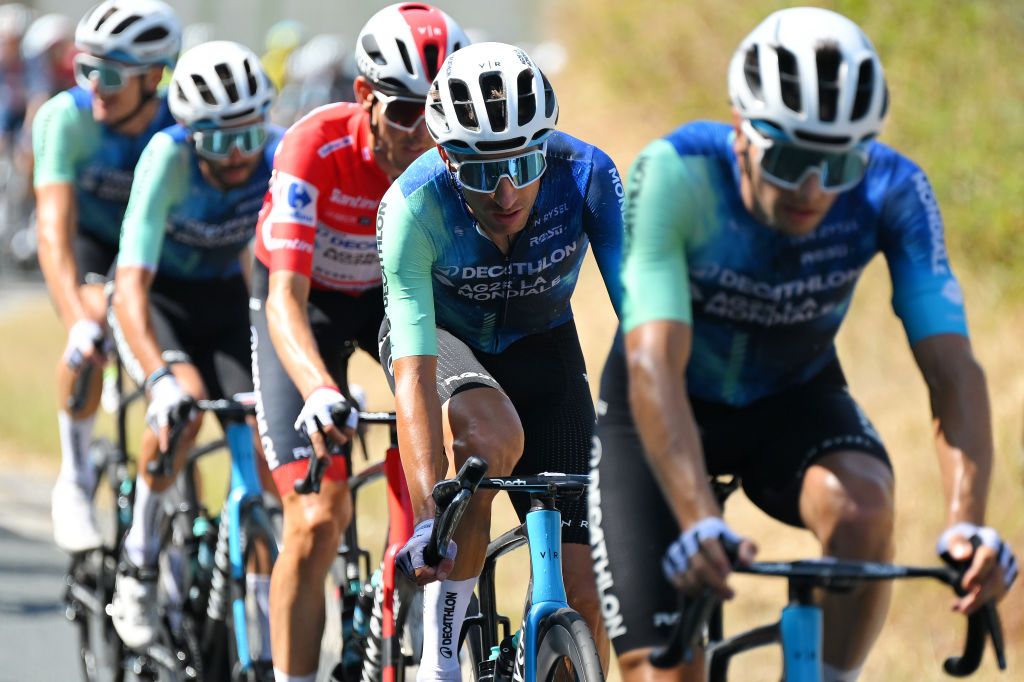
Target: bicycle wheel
258,547
408,610
566,649
90,587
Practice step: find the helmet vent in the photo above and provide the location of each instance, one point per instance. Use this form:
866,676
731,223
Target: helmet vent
500,145
549,97
102,20
789,79
865,86
431,52
152,35
437,107
204,89
495,100
120,28
527,97
828,58
816,138
373,50
238,115
463,104
404,51
250,77
885,102
752,72
543,132
228,80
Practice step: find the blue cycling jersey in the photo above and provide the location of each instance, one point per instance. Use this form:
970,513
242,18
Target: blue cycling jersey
71,147
181,226
441,269
765,307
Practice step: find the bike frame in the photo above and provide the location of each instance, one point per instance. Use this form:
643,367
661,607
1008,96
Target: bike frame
544,534
399,531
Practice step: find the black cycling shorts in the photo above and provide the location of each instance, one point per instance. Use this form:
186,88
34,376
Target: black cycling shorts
93,256
545,378
770,444
340,324
202,322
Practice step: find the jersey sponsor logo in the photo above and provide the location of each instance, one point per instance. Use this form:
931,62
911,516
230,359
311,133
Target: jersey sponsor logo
665,619
447,623
952,292
939,257
715,274
553,232
559,210
346,260
333,146
198,233
517,269
356,202
293,200
469,375
489,291
611,609
821,255
107,184
617,187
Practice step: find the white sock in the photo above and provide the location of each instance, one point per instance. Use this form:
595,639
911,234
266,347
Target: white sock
282,677
259,585
831,674
142,545
444,610
75,435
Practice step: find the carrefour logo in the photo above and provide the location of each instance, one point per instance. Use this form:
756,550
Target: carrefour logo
298,197
294,200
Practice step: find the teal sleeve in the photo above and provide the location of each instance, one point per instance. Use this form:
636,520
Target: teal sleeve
407,256
659,206
58,136
160,180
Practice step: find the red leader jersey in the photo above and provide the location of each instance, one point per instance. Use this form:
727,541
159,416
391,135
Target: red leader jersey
319,215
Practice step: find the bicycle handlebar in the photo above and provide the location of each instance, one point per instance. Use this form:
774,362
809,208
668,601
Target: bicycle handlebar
981,625
236,410
318,466
451,499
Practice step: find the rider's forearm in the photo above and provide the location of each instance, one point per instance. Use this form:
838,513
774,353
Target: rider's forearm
131,306
666,425
56,227
963,437
420,438
292,335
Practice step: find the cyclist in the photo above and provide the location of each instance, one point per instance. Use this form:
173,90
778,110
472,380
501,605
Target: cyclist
86,142
180,300
481,243
317,294
745,245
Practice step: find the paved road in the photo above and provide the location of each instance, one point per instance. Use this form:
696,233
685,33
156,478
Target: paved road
36,642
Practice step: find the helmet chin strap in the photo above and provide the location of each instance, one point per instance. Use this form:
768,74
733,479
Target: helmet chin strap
144,99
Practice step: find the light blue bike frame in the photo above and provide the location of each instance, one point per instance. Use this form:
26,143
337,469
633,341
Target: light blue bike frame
245,484
544,531
800,633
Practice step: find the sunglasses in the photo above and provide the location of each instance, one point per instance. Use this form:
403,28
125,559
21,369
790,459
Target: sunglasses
788,165
484,176
217,144
401,112
107,76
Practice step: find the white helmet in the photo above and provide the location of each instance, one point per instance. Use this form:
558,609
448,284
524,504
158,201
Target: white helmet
219,83
46,32
133,31
812,73
14,19
490,97
401,47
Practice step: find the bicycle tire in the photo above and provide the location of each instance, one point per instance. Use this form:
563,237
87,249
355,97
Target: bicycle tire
410,627
256,528
566,649
100,651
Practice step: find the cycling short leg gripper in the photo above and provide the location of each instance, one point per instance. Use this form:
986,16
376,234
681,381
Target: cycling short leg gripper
142,544
75,435
444,610
832,674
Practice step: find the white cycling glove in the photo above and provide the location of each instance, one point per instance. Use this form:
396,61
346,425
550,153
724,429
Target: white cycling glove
681,552
84,336
165,399
317,410
410,557
988,537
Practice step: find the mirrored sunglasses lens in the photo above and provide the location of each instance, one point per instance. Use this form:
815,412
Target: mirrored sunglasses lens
484,176
106,76
404,112
788,165
218,143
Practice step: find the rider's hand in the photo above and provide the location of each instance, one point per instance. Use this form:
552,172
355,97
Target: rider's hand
315,420
165,399
410,561
697,559
993,567
84,344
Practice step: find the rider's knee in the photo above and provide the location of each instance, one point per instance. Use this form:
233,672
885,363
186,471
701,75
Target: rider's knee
315,531
862,526
500,442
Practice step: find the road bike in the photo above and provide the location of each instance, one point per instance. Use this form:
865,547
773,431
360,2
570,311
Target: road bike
553,642
798,632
